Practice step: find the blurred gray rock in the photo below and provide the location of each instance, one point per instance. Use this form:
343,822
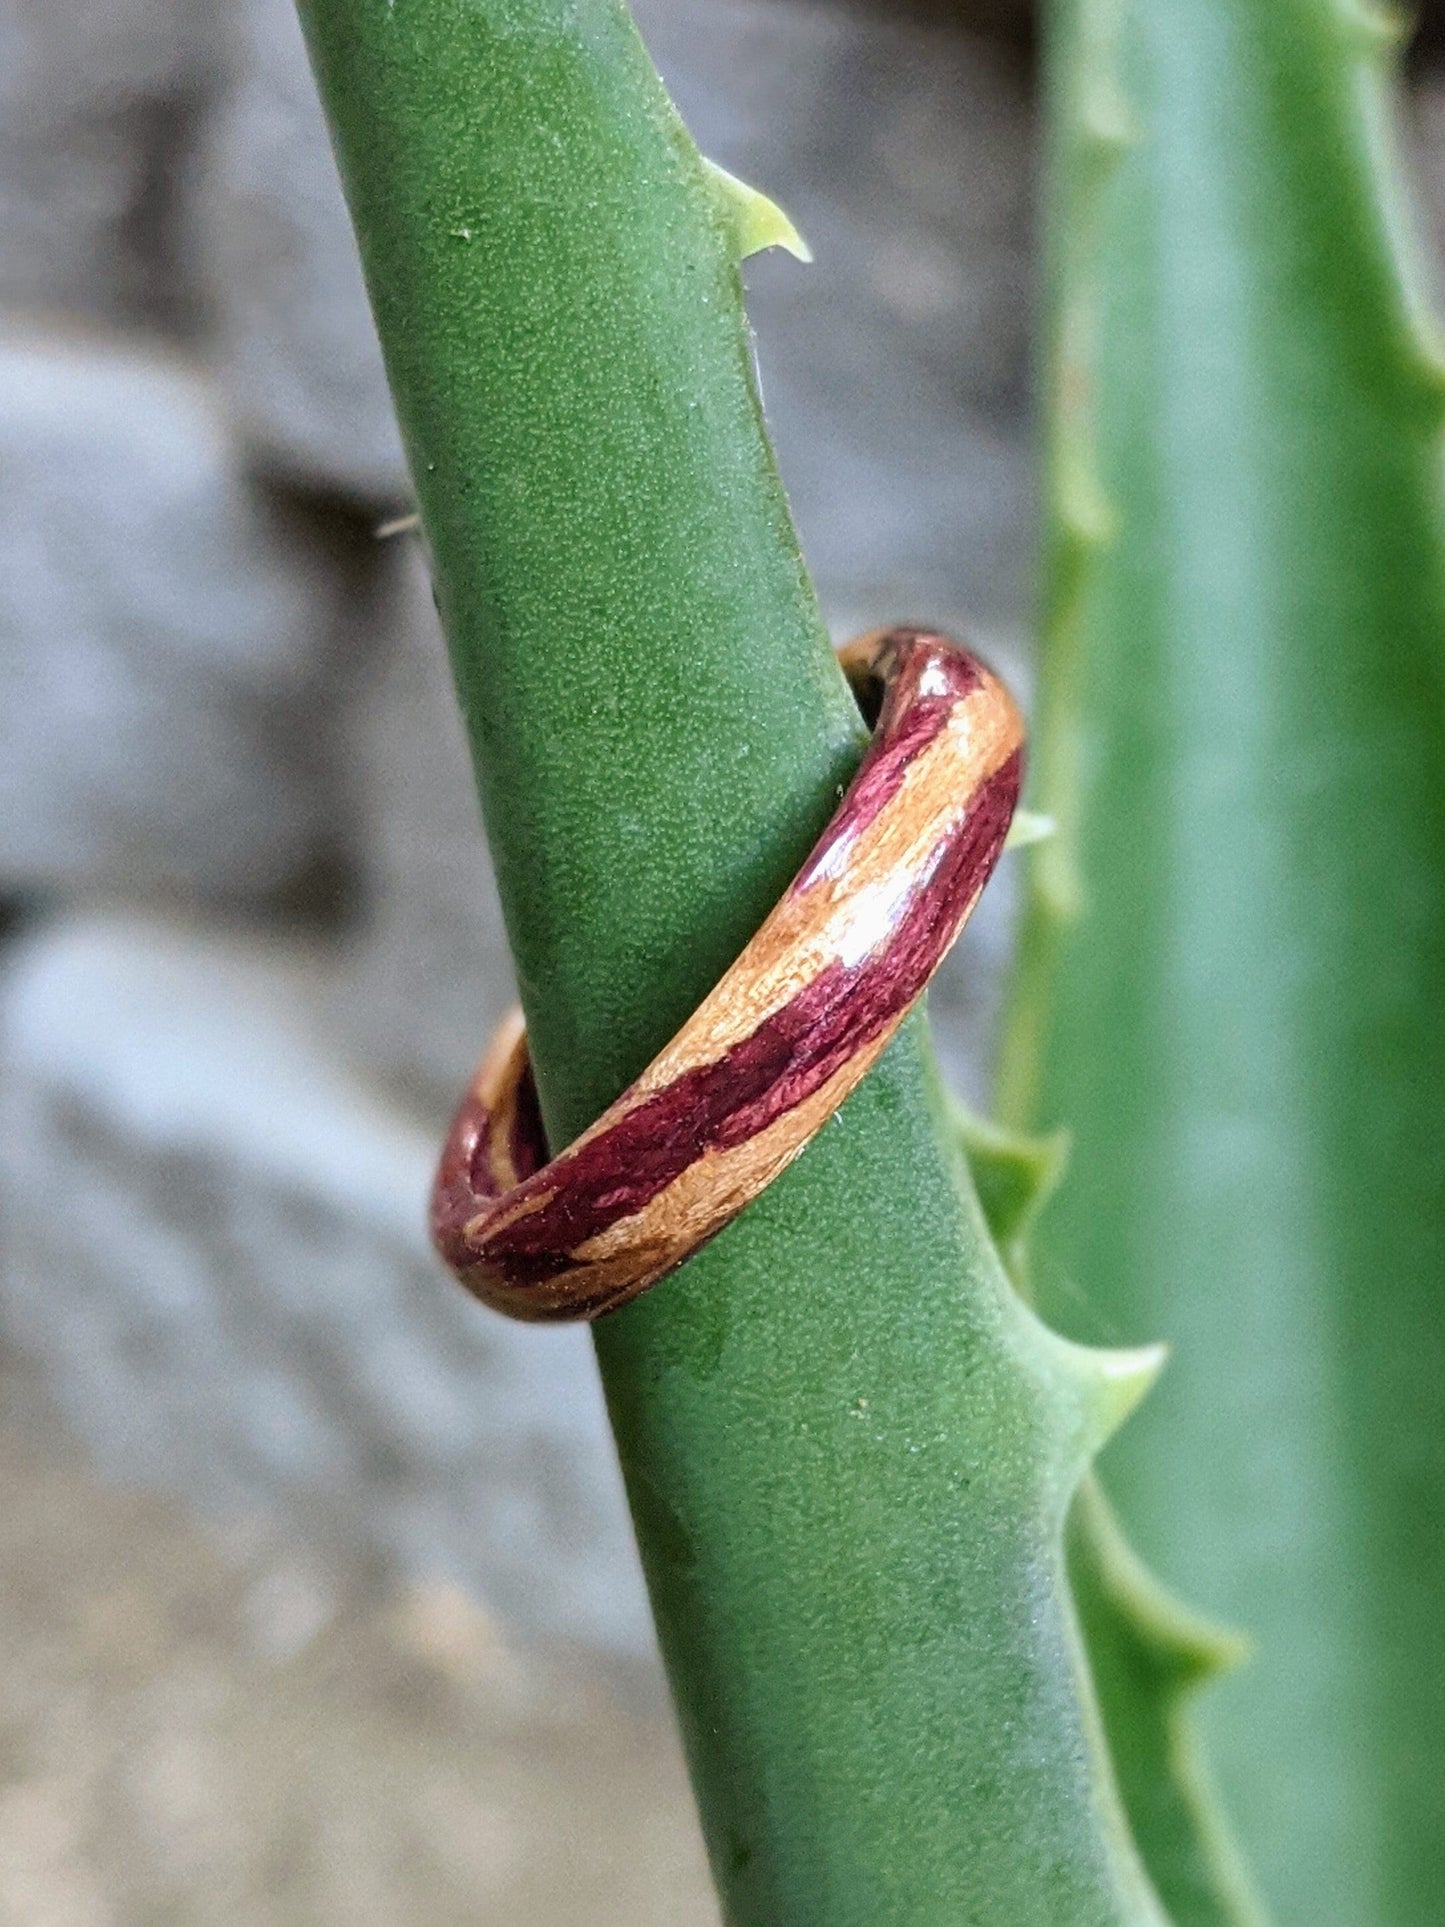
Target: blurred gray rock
429,970
894,368
1425,155
293,342
163,638
214,1255
98,107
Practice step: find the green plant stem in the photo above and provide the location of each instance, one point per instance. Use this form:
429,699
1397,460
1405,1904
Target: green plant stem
1234,963
848,1447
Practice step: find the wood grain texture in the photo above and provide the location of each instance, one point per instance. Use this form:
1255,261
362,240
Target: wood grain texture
773,1050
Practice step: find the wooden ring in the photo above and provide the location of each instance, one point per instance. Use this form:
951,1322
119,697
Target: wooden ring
771,1053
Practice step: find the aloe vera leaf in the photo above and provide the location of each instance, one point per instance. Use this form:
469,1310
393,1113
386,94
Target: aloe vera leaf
849,1447
1148,1654
1015,1176
1234,960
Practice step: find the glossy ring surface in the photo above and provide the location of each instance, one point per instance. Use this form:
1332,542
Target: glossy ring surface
776,1046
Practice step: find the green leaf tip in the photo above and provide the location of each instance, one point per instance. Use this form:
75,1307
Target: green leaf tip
1015,1174
1111,1382
1086,522
1089,1391
1184,1648
1107,128
1029,827
1104,125
1375,27
1150,1655
753,221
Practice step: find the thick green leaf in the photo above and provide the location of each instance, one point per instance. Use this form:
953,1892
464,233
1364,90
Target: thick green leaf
849,1447
1234,966
1148,1655
1014,1176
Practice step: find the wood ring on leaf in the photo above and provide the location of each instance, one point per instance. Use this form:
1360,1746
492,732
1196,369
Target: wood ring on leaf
774,1049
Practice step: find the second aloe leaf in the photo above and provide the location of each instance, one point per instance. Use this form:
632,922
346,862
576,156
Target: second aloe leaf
1148,1655
1234,963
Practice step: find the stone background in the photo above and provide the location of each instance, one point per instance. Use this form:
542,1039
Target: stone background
319,1602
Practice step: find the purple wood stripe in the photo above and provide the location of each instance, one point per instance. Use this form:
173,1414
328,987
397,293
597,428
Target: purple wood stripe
895,744
464,1173
717,1106
467,1177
